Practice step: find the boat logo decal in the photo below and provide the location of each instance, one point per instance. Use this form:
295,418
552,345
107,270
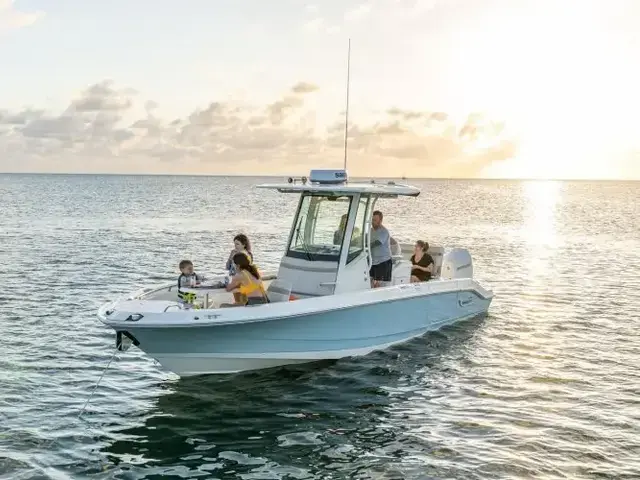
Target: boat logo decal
467,301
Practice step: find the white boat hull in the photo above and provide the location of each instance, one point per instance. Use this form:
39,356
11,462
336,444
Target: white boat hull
221,341
189,364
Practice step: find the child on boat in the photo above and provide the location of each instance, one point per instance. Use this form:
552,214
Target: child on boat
187,278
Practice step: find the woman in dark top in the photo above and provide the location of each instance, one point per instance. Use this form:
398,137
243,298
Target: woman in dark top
422,263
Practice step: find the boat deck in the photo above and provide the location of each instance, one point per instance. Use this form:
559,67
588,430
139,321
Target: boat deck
216,295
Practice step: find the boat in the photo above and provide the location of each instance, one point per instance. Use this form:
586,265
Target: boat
322,304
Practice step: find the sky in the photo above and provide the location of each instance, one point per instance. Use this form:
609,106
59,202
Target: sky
438,88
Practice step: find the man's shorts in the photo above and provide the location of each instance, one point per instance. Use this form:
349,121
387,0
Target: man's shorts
381,271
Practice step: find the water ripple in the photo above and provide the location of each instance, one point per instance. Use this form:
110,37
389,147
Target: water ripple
546,386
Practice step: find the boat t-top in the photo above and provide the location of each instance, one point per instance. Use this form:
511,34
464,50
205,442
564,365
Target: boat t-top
321,301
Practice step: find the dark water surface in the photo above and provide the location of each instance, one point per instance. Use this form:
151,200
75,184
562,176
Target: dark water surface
546,386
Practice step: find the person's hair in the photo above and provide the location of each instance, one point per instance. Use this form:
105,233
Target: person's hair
379,213
244,240
243,263
185,264
423,245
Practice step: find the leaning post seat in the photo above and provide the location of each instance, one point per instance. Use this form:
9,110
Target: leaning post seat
279,291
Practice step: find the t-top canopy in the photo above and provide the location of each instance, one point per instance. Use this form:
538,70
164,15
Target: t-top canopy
336,182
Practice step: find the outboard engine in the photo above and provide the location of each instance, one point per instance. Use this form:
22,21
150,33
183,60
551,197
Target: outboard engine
457,263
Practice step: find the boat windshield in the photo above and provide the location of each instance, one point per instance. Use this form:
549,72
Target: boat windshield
319,227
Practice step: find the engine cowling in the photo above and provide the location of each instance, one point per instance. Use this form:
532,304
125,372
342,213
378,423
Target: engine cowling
457,263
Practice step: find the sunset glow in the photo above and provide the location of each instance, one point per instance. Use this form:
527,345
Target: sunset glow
493,88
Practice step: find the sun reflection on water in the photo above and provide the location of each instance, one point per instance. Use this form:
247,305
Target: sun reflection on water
539,225
541,199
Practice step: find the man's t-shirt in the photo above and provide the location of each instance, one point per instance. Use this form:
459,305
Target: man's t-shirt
380,252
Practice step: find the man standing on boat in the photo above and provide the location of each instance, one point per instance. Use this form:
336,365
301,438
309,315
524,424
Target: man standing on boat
381,263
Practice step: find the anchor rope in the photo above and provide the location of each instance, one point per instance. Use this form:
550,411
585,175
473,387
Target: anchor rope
48,443
86,404
103,464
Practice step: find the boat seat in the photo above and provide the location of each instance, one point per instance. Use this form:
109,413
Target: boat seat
278,291
396,253
437,253
396,248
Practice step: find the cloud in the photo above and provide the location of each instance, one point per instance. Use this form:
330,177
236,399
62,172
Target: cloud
103,97
280,109
304,87
90,119
12,19
406,114
329,24
101,130
382,16
19,118
423,6
358,12
314,25
415,146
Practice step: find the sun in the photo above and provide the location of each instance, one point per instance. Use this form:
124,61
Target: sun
562,79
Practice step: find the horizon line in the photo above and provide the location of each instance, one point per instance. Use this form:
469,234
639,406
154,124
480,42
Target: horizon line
217,175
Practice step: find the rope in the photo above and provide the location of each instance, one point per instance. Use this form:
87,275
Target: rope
50,442
86,404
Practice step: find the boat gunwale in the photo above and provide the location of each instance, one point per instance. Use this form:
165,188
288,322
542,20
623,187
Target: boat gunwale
185,318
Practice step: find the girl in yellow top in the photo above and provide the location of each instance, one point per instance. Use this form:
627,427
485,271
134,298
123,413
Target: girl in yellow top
247,282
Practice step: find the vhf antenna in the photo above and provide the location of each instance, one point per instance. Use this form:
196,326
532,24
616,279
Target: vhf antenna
346,118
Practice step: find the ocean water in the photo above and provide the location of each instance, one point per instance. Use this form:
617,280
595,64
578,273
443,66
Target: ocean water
546,386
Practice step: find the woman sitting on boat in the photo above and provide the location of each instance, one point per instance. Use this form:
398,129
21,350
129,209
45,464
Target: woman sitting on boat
421,263
241,244
247,282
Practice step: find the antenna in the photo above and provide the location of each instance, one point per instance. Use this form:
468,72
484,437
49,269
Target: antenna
346,118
